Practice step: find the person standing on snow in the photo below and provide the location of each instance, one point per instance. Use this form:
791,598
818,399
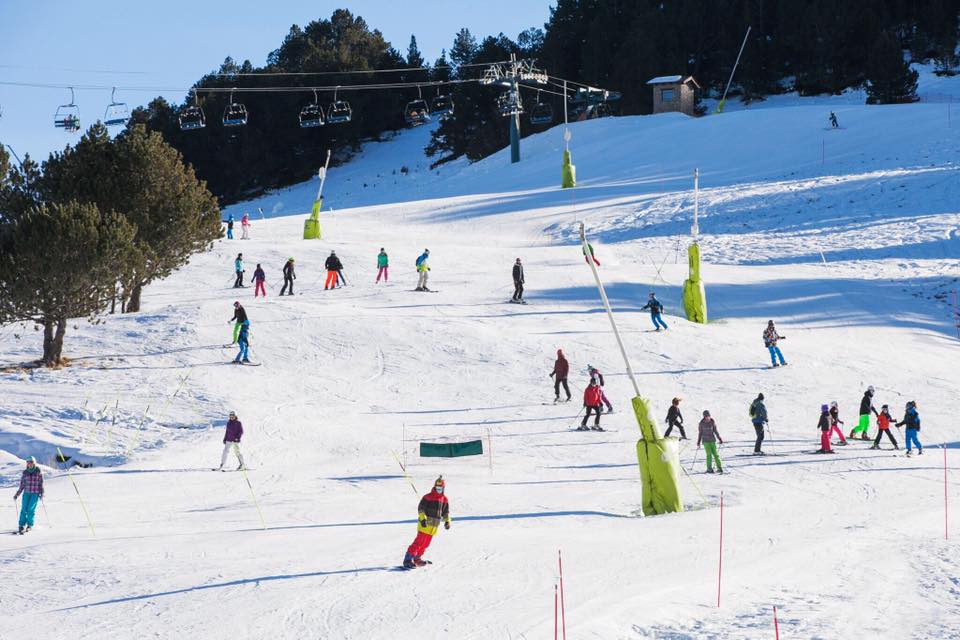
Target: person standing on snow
834,123
883,427
770,337
332,265
230,227
238,267
592,401
423,269
758,415
656,311
259,281
31,486
824,425
383,266
675,419
433,509
243,341
289,275
245,226
517,281
866,406
595,374
836,422
239,317
708,435
912,420
587,257
561,369
231,441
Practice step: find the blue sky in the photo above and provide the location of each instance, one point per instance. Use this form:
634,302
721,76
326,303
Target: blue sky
172,44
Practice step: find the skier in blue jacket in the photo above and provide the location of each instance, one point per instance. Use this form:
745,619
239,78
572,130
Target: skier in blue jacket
912,421
656,309
243,340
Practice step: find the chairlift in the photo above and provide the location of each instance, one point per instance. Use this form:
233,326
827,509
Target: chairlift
542,112
442,106
235,115
67,116
416,112
311,115
340,111
117,113
192,116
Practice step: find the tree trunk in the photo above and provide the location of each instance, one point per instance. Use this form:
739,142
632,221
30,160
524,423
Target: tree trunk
133,303
53,332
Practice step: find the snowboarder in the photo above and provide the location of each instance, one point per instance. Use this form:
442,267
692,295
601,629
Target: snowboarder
587,257
259,281
708,435
433,508
517,281
656,309
31,486
243,341
836,422
383,266
423,269
883,427
675,419
912,420
289,275
596,375
245,226
834,123
230,227
239,317
231,441
866,406
561,369
758,416
238,267
332,265
592,401
770,337
824,426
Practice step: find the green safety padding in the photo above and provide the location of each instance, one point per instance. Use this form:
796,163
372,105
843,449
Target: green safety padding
659,463
451,449
568,173
311,230
694,293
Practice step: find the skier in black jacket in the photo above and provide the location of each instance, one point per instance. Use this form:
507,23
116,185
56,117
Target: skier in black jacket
239,317
289,275
517,282
675,419
333,267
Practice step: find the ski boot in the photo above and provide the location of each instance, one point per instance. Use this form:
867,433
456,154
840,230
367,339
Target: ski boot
596,427
876,446
909,453
28,528
583,427
20,531
709,470
420,562
408,562
919,452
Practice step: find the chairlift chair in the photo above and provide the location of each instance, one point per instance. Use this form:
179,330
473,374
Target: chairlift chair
311,115
67,116
235,115
442,107
117,113
416,112
542,112
340,111
192,117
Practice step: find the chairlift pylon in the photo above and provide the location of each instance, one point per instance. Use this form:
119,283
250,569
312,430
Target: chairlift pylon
192,116
67,116
311,115
117,113
235,114
416,112
340,111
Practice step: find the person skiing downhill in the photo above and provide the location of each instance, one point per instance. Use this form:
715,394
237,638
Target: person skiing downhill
238,268
243,341
231,441
675,419
259,281
596,375
883,427
289,275
230,227
423,269
592,402
31,486
770,338
834,123
836,422
433,509
912,421
517,282
561,369
332,265
245,226
383,266
758,416
656,311
866,406
239,317
708,435
824,425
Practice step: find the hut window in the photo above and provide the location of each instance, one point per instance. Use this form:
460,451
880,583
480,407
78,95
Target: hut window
666,95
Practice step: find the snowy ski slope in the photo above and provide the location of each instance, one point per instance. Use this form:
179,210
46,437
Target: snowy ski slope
849,239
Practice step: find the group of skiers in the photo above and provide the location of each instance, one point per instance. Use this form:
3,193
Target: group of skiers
594,398
830,424
244,225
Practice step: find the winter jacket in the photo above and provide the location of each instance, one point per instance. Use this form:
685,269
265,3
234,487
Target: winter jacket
758,412
911,418
835,416
383,260
884,420
674,417
596,375
561,368
422,262
824,423
234,431
238,265
333,264
866,404
288,271
770,337
518,273
31,481
707,431
245,220
654,305
259,275
230,223
592,396
239,313
433,509
244,336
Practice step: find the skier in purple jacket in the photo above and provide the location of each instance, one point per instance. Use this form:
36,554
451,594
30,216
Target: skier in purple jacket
231,441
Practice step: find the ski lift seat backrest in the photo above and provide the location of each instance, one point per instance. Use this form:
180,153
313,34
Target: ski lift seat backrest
311,116
235,115
192,118
339,112
116,114
442,106
542,113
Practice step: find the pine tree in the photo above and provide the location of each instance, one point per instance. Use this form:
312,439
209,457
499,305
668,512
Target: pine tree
414,59
464,49
890,80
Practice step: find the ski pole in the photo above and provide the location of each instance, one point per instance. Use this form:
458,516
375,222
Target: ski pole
75,488
405,475
45,514
254,495
694,458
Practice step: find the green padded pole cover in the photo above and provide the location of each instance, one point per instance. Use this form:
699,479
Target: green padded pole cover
694,293
659,461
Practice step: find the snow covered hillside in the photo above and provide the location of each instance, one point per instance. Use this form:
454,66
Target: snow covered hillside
849,239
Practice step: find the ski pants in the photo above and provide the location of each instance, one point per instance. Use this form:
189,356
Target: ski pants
28,507
287,281
246,232
227,448
880,433
710,450
340,278
758,427
825,441
331,280
912,437
774,354
239,281
603,398
670,427
836,430
229,233
244,353
419,545
862,427
236,332
596,421
657,321
261,287
517,290
422,280
556,387
383,271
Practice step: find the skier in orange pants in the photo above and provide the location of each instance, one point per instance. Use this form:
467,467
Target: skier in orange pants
433,508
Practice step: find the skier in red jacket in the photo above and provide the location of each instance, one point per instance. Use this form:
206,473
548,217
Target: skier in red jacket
433,508
593,401
561,369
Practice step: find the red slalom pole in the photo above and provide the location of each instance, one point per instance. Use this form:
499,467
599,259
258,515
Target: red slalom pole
563,608
554,612
776,626
720,566
946,529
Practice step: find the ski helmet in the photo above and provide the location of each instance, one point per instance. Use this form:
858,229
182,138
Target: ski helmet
652,294
760,396
769,322
833,405
233,414
236,303
824,408
884,408
706,414
31,460
439,485
870,389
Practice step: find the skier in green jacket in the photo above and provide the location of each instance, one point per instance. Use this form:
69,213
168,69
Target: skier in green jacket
383,265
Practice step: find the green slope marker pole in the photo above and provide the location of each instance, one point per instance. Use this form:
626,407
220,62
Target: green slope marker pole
405,474
82,505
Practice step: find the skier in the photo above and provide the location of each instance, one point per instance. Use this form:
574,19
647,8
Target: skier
433,508
518,282
238,267
230,227
912,419
259,281
883,427
824,426
770,337
675,419
561,368
587,258
836,422
239,317
596,375
383,266
708,435
866,406
332,265
423,269
758,415
31,486
833,121
289,275
245,226
656,309
592,401
243,341
231,441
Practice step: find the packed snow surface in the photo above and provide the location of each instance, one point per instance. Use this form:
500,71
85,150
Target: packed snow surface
849,239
